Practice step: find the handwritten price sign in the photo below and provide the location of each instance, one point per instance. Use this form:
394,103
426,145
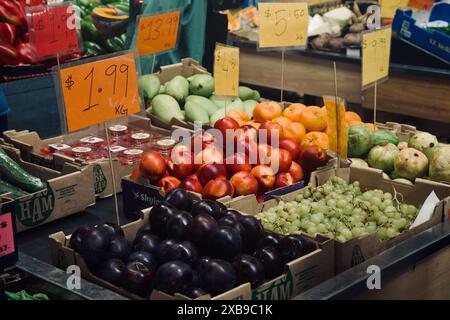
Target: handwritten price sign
283,24
158,33
376,47
53,30
100,91
226,70
6,235
388,7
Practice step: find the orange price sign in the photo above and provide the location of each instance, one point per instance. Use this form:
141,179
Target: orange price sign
158,33
226,70
100,91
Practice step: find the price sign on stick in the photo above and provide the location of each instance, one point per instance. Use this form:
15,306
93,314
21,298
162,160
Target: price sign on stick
336,125
53,30
100,91
158,33
6,235
376,47
388,7
226,70
283,24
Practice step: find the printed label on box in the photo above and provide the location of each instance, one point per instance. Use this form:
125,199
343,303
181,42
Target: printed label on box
6,235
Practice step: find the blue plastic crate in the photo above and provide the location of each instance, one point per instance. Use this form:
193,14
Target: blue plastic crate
436,43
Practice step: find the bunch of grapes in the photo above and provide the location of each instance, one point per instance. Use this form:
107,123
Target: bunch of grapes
341,211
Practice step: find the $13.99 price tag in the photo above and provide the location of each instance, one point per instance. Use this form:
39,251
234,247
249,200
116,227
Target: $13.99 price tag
226,70
6,235
53,30
376,47
100,91
158,33
283,24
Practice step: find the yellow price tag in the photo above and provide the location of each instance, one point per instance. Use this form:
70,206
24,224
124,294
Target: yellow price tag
388,7
376,47
226,70
337,137
100,91
283,24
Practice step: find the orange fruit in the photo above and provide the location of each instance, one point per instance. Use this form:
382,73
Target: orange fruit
294,111
282,121
314,118
266,111
354,123
315,138
254,124
295,131
240,116
352,116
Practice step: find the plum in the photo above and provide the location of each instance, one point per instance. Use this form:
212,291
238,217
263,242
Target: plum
173,276
224,243
146,242
179,198
248,269
219,276
111,270
271,261
179,226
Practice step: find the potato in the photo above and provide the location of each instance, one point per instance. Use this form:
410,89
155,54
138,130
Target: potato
352,39
321,41
357,27
336,44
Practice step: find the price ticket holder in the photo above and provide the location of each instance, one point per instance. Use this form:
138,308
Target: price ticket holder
95,91
283,25
8,247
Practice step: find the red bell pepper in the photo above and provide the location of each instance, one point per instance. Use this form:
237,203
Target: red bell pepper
13,12
8,54
8,33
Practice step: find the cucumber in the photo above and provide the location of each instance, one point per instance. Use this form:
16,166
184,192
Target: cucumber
13,173
5,187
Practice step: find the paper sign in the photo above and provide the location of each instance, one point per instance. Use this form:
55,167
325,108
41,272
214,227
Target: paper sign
158,33
100,91
283,24
226,70
332,126
388,7
421,4
6,235
376,47
53,30
426,212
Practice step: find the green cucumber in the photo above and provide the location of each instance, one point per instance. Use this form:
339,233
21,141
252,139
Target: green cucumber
5,187
13,173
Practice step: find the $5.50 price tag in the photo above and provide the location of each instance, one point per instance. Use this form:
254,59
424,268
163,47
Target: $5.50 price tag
389,7
158,33
376,48
226,70
100,91
53,30
283,24
6,235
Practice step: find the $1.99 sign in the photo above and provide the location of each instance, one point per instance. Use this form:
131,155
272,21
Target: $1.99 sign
6,234
158,33
53,30
376,47
283,24
226,70
100,91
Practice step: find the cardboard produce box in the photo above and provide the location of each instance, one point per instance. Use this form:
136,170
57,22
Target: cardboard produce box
357,250
30,145
299,275
69,191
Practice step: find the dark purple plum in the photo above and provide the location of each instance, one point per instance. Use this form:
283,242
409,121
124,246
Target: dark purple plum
213,208
144,229
224,243
219,276
179,226
271,239
78,236
229,221
201,264
196,279
164,250
194,292
137,277
254,232
111,270
111,228
95,247
179,198
202,226
159,215
271,261
146,242
144,257
119,247
248,269
292,247
173,276
232,213
183,251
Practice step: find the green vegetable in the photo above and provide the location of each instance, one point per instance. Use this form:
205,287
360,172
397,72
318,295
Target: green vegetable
23,295
440,163
249,105
92,48
221,102
236,104
195,113
14,174
203,103
411,164
150,84
5,187
359,140
384,137
256,95
162,89
201,85
382,157
359,163
178,88
424,142
166,107
89,30
219,114
245,93
114,44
